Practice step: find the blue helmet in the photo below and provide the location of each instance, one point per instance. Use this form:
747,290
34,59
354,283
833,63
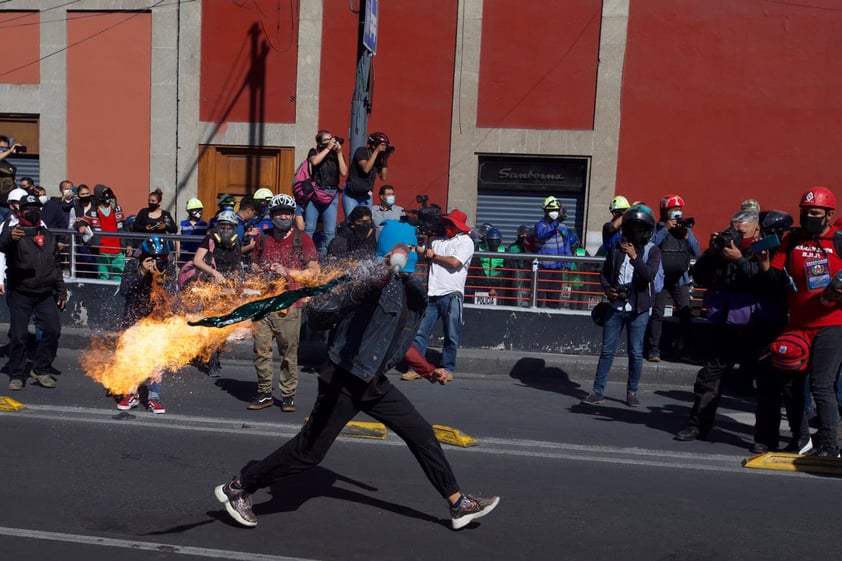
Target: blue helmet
155,247
493,234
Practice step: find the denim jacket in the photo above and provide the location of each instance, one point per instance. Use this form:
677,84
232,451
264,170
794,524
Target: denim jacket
372,327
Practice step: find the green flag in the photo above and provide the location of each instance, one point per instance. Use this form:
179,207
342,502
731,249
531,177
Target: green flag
259,309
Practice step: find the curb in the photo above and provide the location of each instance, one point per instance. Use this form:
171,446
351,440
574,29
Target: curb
472,361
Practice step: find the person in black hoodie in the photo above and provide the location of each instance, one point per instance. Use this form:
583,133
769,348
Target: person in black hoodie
34,287
627,278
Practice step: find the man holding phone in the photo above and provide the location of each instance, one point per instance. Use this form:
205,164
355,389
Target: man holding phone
34,288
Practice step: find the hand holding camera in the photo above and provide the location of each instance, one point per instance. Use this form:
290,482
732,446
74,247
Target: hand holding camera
16,148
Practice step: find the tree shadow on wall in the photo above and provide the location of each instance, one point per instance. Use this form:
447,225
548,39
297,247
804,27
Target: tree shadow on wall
535,373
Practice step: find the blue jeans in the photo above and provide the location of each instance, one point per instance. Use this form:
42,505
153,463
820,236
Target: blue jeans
449,309
313,211
349,202
635,330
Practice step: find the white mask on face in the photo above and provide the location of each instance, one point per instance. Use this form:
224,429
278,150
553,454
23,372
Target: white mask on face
43,199
390,200
553,215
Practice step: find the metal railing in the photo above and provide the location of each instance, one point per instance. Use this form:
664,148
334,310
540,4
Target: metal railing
514,281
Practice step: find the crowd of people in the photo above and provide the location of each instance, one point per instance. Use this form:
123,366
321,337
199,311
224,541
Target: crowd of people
772,296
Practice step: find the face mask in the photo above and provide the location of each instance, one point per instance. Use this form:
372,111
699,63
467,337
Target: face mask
390,200
106,201
813,225
553,215
32,216
676,214
282,224
195,214
227,237
362,230
154,206
43,199
67,193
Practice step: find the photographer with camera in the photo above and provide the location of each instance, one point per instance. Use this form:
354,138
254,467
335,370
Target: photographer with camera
368,161
611,230
743,323
627,277
674,236
7,170
809,261
328,167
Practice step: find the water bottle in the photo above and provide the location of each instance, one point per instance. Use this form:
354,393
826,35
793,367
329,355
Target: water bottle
835,285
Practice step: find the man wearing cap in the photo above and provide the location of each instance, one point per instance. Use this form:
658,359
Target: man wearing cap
371,320
35,288
448,261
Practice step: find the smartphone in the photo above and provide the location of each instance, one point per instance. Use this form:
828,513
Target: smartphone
767,243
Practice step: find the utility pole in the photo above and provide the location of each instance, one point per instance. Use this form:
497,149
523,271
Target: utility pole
366,47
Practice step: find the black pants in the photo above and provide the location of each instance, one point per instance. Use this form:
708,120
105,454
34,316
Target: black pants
681,297
22,306
825,359
340,398
774,389
729,345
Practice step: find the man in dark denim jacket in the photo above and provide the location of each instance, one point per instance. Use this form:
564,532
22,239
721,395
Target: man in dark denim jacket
373,320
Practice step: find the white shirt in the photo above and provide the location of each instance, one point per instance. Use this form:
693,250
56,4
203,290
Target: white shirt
444,280
625,278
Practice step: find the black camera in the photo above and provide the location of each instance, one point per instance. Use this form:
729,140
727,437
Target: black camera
723,239
623,292
427,219
19,149
339,139
389,150
685,222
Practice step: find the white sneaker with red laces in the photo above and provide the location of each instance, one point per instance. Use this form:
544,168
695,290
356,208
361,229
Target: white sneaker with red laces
128,402
156,406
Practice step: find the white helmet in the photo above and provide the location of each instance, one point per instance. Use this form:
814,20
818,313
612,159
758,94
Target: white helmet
227,216
282,201
16,194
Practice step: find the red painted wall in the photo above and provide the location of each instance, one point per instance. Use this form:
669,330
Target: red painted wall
413,89
108,102
727,100
538,64
21,47
249,61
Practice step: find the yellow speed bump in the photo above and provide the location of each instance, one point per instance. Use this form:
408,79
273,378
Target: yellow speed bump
781,461
9,405
449,435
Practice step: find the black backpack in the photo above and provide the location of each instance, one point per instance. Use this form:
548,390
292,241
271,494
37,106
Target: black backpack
675,254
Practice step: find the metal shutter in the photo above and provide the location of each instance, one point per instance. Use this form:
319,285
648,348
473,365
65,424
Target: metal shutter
508,211
29,166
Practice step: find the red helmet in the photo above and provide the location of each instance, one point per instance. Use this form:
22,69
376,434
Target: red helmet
671,201
820,197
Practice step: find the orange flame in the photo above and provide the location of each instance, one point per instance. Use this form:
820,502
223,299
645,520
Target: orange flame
163,342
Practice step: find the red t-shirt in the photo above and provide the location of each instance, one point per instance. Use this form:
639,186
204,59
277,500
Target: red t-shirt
269,250
108,223
811,269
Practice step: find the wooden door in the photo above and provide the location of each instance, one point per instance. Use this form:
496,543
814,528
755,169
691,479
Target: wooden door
242,170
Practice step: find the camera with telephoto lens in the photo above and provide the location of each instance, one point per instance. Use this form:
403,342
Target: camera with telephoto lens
426,219
723,239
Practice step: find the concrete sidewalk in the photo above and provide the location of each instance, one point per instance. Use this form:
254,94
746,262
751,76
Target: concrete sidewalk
471,361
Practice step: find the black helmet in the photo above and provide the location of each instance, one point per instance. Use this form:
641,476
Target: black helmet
775,222
525,229
637,215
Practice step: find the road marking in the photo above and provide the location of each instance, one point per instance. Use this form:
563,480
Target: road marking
486,445
144,546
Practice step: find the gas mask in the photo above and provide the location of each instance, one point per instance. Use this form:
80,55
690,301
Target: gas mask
226,237
813,225
282,224
195,215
